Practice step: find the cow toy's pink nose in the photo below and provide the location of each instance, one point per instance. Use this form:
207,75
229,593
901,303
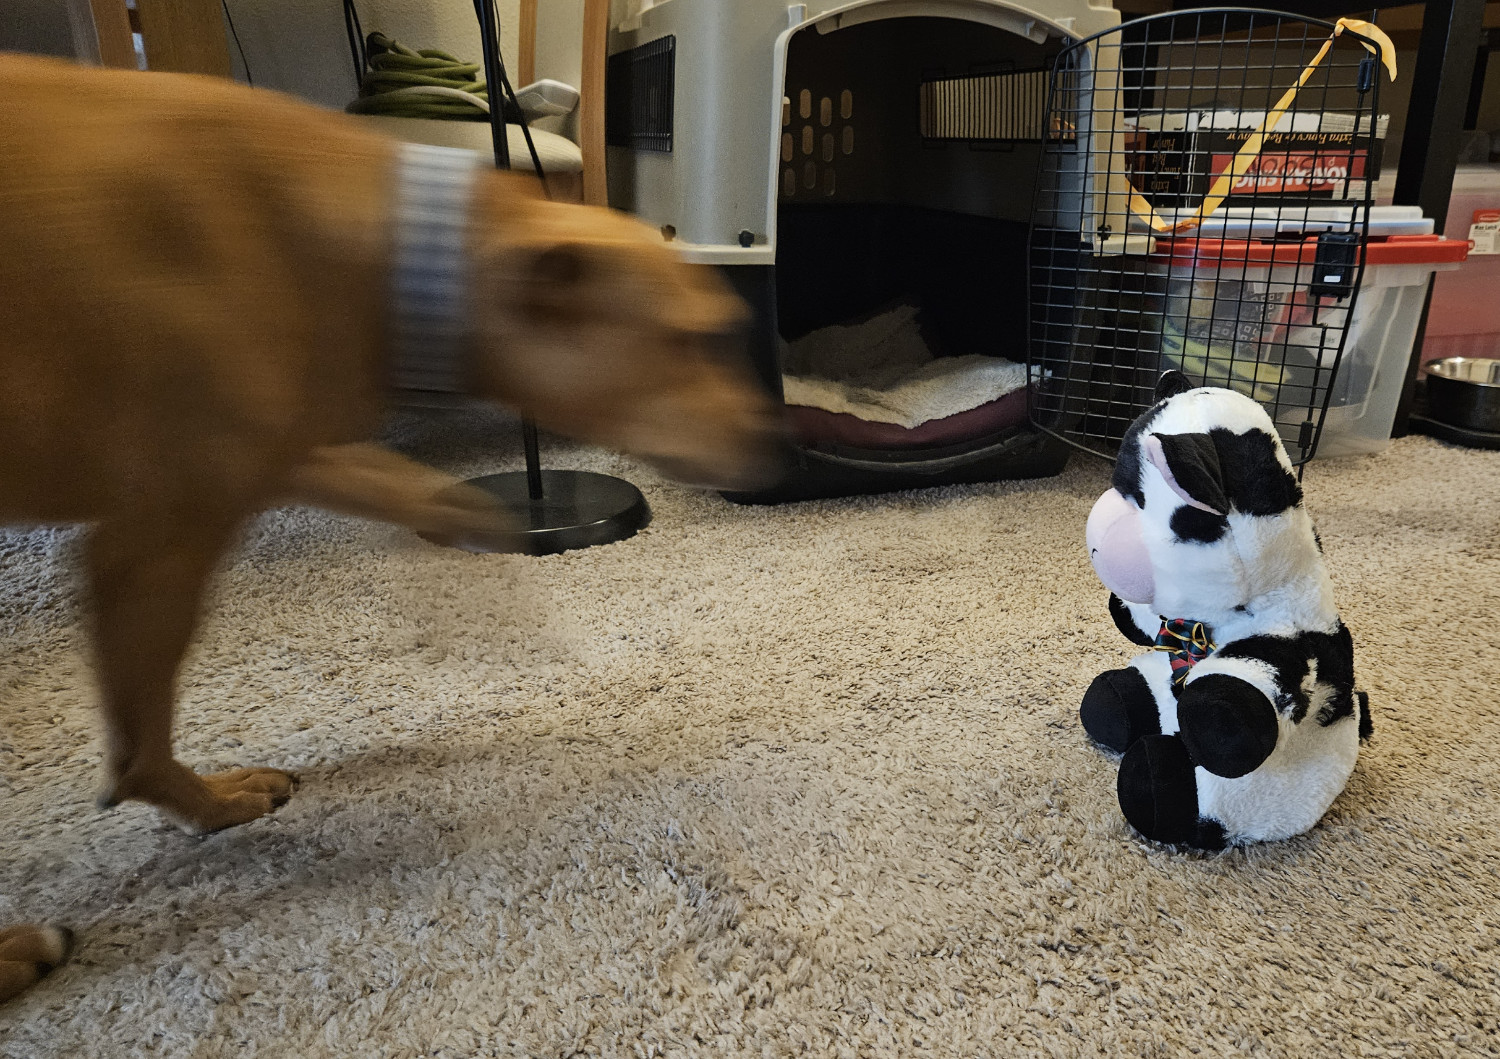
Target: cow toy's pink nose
1117,549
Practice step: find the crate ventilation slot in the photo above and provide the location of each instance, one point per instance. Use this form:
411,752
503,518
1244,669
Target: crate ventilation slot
1006,107
638,96
820,133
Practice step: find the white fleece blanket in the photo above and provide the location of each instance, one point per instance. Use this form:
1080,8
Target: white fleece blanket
882,371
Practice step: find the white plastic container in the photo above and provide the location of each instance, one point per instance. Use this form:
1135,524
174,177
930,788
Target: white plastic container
1239,313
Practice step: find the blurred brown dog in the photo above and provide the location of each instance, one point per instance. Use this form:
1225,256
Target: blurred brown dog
194,290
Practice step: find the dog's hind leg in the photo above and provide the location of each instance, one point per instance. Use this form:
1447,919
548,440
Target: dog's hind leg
27,953
148,577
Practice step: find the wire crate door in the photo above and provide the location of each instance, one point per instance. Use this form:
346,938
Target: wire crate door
1203,204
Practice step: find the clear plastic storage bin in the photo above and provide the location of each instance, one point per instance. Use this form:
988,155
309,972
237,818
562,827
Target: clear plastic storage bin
1251,313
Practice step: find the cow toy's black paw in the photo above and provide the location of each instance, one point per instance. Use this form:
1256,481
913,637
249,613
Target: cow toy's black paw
1118,709
1228,726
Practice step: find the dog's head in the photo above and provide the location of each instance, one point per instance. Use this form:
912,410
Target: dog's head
592,327
1205,519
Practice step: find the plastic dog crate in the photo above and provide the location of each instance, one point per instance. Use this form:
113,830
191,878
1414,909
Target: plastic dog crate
913,194
858,169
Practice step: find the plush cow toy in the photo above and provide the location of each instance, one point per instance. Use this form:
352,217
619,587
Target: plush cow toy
1242,723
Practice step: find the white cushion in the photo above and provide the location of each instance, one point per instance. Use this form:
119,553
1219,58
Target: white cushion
558,154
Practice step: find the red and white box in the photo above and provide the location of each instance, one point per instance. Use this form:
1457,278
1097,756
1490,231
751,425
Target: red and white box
1238,302
1173,158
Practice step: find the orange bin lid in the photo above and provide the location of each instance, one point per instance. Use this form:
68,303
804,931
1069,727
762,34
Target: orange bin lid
1382,250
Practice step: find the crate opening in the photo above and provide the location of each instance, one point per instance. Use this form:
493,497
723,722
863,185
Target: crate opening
908,158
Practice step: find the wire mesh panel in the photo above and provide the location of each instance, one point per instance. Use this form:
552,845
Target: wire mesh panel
1196,209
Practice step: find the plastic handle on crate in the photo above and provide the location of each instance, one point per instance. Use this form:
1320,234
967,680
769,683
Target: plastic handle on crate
1371,36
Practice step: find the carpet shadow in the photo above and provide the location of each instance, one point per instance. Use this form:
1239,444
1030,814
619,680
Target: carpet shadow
229,875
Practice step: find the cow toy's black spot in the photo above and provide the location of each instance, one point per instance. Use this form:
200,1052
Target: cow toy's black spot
1196,526
1126,624
1292,658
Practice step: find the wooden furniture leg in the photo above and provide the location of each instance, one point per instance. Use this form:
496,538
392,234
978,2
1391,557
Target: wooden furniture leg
184,36
112,28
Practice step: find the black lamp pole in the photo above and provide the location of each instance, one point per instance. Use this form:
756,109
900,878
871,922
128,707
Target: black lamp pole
553,511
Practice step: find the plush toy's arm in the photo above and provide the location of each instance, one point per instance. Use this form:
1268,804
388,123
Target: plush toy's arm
1292,663
1227,714
1135,620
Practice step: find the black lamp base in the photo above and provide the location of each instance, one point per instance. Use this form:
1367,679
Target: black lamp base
577,509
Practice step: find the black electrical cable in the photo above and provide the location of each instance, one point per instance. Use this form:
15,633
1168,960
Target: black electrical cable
249,78
489,33
492,54
536,160
494,70
356,34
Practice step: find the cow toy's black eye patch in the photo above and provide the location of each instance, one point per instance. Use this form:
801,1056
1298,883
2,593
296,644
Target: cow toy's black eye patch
1194,525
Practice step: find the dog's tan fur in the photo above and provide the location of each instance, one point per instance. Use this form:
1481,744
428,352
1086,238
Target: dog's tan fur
193,301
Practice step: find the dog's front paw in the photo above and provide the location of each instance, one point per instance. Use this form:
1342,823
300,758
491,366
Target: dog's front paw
29,952
465,517
201,804
242,795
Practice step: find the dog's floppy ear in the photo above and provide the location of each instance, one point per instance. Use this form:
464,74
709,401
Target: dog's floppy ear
553,276
1171,384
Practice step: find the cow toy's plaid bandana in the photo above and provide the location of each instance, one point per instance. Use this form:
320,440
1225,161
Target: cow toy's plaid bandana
1187,643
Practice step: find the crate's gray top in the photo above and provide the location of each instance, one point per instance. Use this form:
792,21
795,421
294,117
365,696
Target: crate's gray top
720,178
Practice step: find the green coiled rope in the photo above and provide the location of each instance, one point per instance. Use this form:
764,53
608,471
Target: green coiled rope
403,82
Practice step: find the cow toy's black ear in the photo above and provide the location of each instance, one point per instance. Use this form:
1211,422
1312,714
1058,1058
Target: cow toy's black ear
1171,384
1222,471
1254,479
1196,472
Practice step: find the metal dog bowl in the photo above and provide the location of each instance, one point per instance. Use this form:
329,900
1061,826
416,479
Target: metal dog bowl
1465,391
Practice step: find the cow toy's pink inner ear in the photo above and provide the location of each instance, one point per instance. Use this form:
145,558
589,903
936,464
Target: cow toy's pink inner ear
1117,548
1157,456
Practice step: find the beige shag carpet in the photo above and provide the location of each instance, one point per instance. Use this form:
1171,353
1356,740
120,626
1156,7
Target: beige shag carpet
761,782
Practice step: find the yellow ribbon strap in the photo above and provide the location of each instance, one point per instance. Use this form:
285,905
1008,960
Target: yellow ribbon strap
1374,40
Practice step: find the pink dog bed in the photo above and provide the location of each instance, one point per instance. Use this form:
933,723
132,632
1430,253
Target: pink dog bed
814,426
